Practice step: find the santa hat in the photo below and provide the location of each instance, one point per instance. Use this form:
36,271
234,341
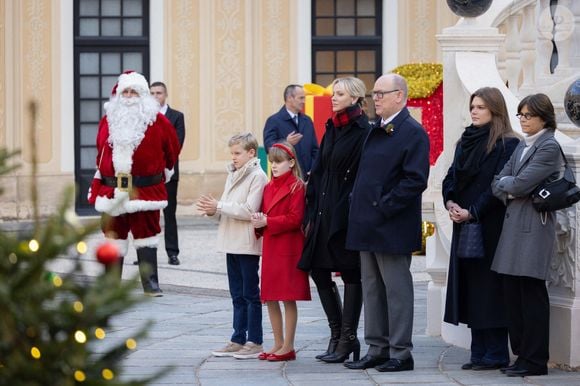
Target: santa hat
131,79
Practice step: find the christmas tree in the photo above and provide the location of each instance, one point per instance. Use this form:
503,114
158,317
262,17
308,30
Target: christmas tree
53,328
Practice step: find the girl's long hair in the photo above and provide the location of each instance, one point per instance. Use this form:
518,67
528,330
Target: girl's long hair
500,126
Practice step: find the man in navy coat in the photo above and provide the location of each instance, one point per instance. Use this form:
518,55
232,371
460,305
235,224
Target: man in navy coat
385,225
159,91
289,124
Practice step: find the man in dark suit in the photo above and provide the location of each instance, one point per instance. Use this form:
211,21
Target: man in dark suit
159,91
289,124
385,225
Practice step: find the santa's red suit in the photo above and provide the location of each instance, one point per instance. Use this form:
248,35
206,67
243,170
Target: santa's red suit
154,156
136,150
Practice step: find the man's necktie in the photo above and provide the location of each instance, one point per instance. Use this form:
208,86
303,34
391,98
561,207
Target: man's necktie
296,120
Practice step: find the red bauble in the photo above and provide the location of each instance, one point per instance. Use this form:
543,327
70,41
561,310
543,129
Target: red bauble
107,253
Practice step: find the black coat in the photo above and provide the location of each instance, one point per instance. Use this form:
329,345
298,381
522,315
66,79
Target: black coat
385,213
474,294
177,120
327,197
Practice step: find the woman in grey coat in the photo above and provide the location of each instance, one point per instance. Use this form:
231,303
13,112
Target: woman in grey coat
527,240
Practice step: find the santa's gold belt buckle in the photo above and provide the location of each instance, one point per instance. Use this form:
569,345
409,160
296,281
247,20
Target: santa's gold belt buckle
124,182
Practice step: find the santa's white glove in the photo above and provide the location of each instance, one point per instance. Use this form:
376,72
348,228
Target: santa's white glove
168,174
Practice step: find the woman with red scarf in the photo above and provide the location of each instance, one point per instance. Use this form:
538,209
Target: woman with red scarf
327,204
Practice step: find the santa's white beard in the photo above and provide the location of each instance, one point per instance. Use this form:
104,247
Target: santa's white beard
128,120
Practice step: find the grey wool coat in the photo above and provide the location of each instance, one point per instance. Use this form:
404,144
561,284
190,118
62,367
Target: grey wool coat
526,244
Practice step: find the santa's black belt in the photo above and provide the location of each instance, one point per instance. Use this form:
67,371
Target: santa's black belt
127,181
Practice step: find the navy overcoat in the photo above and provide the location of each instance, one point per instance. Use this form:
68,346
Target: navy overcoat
385,210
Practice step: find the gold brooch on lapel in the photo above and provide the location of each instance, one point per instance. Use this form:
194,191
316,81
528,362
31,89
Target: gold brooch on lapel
389,129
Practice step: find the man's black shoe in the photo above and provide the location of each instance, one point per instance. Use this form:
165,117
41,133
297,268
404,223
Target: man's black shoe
512,367
173,260
519,372
136,262
393,365
366,362
482,366
467,366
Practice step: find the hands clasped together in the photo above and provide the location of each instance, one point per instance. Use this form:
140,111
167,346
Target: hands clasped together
456,213
259,220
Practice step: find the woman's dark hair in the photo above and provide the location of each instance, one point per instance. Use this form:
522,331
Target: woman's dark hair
500,126
541,106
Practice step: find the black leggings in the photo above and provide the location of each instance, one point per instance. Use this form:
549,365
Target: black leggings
323,277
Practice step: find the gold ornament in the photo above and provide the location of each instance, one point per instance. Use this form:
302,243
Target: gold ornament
107,374
427,230
78,306
100,333
35,352
131,344
57,281
422,78
80,376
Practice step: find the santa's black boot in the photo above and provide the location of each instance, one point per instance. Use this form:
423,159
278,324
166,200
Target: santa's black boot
147,258
116,267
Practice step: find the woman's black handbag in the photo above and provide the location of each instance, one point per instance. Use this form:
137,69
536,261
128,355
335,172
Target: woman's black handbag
470,244
559,194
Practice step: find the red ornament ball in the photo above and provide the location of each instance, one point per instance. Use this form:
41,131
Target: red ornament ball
108,253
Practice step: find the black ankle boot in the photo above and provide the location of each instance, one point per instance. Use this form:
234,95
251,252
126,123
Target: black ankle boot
147,258
331,304
348,342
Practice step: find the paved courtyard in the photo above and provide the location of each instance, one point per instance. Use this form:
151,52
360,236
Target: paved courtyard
194,317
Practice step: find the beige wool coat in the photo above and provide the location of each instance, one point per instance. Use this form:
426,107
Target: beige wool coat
242,196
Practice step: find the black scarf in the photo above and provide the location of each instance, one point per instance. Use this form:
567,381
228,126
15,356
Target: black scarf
473,144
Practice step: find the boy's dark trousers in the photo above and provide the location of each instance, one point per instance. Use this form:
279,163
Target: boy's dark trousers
244,285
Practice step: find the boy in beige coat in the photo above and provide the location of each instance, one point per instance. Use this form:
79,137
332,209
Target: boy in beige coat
242,196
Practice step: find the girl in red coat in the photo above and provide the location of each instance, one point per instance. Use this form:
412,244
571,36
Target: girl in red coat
280,224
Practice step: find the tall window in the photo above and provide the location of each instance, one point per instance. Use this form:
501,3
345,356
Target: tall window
347,41
110,36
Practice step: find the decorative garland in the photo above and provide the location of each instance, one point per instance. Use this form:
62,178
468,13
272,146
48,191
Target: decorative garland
422,78
425,82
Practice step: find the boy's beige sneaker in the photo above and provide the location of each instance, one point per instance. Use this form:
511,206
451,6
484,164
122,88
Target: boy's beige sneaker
249,351
229,350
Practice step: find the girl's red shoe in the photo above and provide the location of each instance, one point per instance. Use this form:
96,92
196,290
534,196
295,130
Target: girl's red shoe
263,356
289,356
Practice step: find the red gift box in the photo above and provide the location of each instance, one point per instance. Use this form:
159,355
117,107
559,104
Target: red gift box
318,106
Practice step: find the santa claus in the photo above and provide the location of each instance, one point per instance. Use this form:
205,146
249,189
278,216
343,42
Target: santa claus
136,150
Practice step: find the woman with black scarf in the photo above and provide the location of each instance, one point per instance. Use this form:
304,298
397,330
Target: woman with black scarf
326,219
474,291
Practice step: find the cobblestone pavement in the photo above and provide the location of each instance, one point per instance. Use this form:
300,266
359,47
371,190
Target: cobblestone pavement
194,317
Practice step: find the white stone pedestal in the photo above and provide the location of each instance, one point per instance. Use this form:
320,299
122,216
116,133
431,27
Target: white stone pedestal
564,284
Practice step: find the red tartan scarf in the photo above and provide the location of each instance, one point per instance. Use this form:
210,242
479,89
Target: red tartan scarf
344,117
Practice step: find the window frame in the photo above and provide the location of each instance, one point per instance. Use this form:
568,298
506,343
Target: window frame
337,43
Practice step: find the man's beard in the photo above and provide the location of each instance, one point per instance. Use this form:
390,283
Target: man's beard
128,120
